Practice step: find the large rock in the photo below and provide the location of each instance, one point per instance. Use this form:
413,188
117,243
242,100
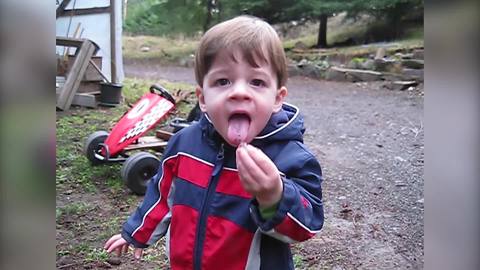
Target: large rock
380,53
387,65
389,76
311,70
333,74
300,46
413,74
293,70
354,63
413,63
352,75
418,54
368,64
401,85
400,55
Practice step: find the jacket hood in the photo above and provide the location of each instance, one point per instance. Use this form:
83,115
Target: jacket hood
286,124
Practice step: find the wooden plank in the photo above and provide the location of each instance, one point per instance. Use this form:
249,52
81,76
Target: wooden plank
86,100
147,142
61,8
113,50
90,99
73,42
84,11
87,87
69,42
164,135
75,75
92,74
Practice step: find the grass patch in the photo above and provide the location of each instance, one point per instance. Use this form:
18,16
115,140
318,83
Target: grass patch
170,49
164,48
298,261
75,208
112,226
96,254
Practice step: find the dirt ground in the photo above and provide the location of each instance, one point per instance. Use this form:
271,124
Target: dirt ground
370,143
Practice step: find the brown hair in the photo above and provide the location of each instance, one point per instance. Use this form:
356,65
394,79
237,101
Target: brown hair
255,38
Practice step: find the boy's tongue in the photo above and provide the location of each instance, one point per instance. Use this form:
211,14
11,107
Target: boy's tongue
238,126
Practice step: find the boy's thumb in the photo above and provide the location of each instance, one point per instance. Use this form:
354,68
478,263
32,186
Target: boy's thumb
138,253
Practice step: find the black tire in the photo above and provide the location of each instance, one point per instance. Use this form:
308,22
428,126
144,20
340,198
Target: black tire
91,145
137,170
195,113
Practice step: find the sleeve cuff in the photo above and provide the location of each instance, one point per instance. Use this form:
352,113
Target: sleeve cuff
132,241
269,212
266,222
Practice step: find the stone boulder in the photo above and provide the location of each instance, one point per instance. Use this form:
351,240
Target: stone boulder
413,74
368,64
333,74
418,54
401,85
293,70
352,75
381,52
387,65
413,63
300,46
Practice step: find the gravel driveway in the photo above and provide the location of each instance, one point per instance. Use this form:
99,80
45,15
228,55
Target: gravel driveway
370,143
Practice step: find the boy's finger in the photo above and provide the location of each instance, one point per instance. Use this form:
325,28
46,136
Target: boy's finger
247,177
125,249
111,240
117,244
118,251
138,253
248,164
112,247
262,160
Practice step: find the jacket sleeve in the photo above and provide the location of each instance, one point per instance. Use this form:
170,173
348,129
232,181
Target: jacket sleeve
299,214
151,219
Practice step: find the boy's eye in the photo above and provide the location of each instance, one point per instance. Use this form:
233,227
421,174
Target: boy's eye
222,82
258,82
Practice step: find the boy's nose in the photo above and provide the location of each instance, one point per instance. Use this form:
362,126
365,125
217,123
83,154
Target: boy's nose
240,91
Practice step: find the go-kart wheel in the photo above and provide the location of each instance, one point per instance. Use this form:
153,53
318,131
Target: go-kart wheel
91,145
137,171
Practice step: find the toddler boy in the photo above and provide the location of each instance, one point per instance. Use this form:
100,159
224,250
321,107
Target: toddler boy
237,187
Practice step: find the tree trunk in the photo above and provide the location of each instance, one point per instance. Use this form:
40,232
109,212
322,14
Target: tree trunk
208,20
322,31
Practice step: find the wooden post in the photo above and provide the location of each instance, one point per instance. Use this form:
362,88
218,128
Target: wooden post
113,52
75,75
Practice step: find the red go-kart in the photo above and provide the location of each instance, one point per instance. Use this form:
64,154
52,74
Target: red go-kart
103,147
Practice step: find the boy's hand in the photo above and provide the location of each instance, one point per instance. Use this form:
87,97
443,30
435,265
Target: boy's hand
259,176
119,245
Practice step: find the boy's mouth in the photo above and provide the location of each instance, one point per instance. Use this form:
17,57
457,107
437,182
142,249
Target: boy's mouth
238,125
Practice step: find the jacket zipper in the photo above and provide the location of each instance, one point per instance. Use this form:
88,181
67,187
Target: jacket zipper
202,223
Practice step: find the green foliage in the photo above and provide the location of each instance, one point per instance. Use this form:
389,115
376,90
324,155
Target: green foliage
165,17
161,17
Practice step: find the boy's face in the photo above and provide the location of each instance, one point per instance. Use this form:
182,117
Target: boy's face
238,98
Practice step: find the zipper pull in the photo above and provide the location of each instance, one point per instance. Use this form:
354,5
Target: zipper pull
221,153
219,162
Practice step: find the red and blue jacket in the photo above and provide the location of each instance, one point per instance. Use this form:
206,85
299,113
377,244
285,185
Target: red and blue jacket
197,201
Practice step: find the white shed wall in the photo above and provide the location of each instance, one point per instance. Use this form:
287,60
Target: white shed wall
96,27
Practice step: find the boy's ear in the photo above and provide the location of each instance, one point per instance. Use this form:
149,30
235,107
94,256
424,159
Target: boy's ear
201,98
281,94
